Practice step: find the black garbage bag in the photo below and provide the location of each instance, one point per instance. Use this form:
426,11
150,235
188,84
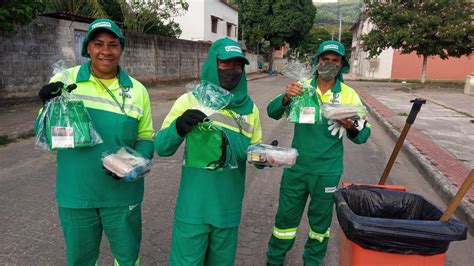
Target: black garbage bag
394,221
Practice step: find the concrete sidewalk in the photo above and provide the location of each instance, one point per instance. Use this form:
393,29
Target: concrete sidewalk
441,140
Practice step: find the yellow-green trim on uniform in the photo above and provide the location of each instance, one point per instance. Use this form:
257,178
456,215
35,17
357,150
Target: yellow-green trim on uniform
289,233
318,236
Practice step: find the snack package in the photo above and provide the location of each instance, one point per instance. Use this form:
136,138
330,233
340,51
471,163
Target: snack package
64,122
304,108
341,111
127,164
268,155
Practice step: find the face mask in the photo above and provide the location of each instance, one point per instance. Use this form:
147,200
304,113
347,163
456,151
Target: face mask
229,78
328,71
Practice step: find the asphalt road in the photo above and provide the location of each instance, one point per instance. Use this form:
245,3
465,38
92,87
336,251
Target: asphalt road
31,233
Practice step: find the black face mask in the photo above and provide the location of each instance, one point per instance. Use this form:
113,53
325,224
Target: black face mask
229,78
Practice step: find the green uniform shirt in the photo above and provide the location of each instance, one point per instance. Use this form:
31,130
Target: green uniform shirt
319,152
211,197
81,181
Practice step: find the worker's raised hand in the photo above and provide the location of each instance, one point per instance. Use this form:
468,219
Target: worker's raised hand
52,90
186,122
293,89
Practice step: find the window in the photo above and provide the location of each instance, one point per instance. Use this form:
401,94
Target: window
229,29
214,23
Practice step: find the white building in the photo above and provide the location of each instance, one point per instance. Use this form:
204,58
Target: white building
208,20
379,67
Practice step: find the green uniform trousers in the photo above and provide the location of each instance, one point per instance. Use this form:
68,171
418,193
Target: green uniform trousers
294,190
83,232
203,244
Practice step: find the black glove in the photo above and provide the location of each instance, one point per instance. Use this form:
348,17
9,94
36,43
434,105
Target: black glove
186,122
52,90
113,175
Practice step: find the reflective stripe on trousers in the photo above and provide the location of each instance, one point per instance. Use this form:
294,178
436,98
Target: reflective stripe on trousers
284,233
318,236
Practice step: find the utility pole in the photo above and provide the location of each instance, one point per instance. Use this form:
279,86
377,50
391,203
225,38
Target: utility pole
340,18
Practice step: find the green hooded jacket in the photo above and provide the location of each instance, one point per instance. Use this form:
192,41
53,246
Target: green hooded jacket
205,196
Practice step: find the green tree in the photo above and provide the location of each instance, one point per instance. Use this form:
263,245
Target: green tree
275,21
86,8
310,44
154,17
429,28
17,12
321,33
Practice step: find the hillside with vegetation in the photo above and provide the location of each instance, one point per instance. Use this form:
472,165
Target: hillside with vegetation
328,13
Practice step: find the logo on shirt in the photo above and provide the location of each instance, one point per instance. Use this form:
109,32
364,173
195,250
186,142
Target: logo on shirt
329,189
335,98
125,93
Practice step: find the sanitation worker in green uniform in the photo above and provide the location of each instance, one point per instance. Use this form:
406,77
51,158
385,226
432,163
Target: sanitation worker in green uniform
89,200
209,203
319,165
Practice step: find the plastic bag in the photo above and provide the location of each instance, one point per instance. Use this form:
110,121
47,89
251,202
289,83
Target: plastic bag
394,221
304,108
64,121
127,164
217,152
208,97
208,147
268,155
341,111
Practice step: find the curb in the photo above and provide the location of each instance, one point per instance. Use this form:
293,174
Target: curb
7,138
433,175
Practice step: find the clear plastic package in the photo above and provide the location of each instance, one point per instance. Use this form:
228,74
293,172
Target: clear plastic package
208,97
64,122
268,155
304,108
341,111
127,164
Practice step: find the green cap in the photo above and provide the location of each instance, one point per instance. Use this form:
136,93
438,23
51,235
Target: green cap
102,24
335,47
228,48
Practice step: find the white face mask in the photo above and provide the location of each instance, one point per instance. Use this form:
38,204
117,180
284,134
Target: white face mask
328,71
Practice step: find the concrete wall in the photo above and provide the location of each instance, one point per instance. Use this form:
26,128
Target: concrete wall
26,57
409,66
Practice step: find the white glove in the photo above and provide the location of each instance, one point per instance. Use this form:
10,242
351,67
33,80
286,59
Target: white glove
334,127
360,124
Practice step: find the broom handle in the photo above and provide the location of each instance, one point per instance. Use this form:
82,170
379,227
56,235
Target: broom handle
457,199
